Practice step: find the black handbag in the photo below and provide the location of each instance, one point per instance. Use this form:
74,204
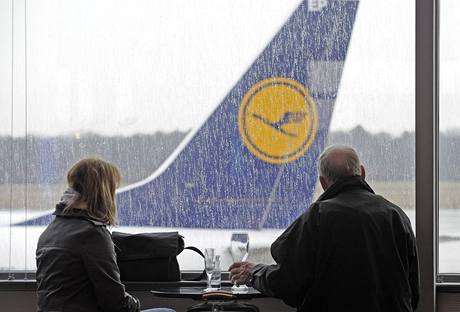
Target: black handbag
150,256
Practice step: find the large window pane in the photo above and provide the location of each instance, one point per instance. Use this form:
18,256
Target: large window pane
5,128
449,139
181,97
375,109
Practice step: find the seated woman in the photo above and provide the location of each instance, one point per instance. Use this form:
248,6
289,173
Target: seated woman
76,264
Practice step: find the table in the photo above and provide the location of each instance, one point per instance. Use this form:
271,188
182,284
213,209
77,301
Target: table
223,302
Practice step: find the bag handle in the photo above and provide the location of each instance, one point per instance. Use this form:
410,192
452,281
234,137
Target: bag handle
195,249
202,274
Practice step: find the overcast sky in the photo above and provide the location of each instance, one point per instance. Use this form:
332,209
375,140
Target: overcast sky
119,67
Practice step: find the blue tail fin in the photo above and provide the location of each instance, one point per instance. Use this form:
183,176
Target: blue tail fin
252,164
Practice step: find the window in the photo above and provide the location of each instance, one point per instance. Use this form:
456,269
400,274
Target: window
375,107
449,140
170,96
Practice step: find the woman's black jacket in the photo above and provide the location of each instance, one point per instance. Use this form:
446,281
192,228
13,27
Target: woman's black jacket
77,269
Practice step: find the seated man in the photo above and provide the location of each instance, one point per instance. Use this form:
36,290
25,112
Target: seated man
352,250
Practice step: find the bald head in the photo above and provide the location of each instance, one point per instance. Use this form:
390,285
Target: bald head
336,162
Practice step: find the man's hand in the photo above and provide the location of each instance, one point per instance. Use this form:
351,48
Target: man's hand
240,272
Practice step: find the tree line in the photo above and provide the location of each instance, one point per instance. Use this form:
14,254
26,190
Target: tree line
387,157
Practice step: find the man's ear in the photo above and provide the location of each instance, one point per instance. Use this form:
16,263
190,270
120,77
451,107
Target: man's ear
324,183
363,172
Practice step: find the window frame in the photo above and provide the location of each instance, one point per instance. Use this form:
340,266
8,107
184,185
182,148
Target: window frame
426,152
427,155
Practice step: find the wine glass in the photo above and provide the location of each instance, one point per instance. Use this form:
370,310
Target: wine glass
209,265
239,248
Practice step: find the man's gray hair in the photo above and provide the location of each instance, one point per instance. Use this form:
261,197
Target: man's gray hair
338,161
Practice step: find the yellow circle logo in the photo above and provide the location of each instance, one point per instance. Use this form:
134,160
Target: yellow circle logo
278,120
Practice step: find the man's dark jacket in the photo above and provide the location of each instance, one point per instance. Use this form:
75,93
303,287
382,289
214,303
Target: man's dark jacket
77,269
351,251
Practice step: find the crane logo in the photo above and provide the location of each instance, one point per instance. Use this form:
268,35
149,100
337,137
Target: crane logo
278,120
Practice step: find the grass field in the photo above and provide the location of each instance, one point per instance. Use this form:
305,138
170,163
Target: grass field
44,197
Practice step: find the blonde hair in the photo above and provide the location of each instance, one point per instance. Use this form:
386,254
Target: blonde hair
95,180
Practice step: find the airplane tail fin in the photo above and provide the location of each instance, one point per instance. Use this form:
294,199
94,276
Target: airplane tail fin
253,162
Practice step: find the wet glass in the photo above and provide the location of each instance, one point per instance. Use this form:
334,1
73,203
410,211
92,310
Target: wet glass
449,138
138,90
